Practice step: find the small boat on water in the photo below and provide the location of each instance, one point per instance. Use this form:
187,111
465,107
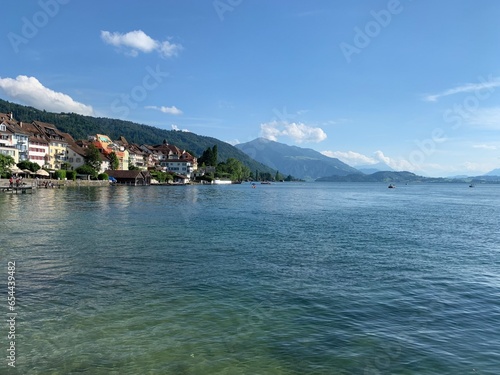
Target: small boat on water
265,183
391,186
218,181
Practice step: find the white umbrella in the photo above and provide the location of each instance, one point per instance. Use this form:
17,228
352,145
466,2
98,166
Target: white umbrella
27,171
42,172
15,169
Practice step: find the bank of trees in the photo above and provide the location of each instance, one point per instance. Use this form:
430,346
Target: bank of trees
231,169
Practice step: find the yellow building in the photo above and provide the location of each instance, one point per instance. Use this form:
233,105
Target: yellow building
57,144
10,151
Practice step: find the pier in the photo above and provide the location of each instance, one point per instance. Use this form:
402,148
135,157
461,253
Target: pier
18,189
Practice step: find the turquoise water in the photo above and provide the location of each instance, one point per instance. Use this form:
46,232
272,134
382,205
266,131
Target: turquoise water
305,278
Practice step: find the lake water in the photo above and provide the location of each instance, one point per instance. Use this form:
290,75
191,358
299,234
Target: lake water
289,278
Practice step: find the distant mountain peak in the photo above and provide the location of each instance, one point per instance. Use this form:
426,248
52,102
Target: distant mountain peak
494,172
372,168
304,163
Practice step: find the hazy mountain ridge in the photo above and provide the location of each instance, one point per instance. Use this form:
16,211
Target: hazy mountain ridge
373,168
406,177
80,127
300,162
382,176
494,172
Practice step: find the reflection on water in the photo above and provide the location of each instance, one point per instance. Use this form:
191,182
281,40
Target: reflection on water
281,279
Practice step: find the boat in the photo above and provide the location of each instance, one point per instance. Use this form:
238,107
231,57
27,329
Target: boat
391,186
221,182
265,183
471,185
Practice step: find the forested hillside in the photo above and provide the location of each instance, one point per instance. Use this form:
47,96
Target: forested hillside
81,126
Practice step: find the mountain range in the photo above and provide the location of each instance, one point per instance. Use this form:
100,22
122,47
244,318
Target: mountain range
260,154
303,163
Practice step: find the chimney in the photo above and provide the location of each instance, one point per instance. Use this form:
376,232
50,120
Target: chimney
11,115
21,124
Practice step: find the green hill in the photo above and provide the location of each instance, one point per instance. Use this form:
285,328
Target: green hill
80,127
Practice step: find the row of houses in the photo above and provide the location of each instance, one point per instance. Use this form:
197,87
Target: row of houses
52,149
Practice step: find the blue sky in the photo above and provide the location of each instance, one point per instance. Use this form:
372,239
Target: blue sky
414,84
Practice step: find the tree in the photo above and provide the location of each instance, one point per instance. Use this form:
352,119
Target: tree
93,158
87,169
207,158
5,163
266,176
215,155
114,162
26,164
233,169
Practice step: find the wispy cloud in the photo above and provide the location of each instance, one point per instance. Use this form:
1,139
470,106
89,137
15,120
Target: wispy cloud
170,110
487,118
489,84
30,91
299,132
137,41
485,147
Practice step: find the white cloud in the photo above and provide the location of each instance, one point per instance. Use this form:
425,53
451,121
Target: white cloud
488,118
355,159
299,132
350,157
396,164
138,40
176,128
170,110
491,84
30,91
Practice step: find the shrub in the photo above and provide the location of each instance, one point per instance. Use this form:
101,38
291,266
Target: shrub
103,176
71,175
60,174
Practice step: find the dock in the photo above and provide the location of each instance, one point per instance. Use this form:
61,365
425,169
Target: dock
18,189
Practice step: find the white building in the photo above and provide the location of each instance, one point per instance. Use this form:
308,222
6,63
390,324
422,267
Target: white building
75,156
38,150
